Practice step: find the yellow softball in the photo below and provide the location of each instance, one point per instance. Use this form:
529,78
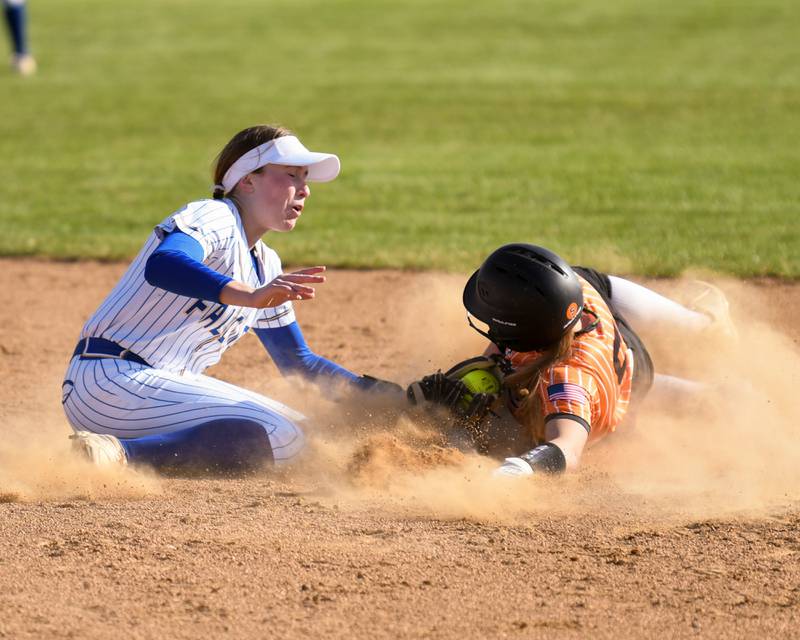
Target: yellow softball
478,381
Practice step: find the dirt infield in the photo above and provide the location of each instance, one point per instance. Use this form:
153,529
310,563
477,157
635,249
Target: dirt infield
687,526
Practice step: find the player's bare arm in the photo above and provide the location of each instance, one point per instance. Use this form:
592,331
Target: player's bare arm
570,436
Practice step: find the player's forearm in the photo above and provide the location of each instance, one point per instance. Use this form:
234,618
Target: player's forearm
237,294
570,436
562,451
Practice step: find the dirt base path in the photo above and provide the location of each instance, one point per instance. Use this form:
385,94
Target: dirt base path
403,548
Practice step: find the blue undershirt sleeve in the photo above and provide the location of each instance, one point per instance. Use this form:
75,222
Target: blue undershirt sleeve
177,266
288,349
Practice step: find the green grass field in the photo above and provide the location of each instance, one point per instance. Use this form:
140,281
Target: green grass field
633,135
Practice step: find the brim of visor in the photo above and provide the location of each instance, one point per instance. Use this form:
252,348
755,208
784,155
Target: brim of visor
322,167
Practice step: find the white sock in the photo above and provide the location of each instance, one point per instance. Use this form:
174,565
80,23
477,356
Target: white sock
645,309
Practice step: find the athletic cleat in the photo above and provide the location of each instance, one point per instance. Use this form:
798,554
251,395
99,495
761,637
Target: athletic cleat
711,301
24,65
99,448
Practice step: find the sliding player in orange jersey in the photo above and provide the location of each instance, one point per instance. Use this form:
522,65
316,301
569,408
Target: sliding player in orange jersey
570,363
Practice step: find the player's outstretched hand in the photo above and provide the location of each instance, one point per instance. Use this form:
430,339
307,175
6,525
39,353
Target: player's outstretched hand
285,288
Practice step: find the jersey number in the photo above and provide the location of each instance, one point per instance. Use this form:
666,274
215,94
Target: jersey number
620,364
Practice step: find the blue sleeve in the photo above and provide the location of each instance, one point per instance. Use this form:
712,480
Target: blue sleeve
288,348
177,266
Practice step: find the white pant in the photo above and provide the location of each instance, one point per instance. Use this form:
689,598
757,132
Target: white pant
129,400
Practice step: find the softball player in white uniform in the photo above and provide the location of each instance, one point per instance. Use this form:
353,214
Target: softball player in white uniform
135,390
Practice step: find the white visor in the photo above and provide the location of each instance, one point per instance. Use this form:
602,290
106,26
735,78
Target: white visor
288,150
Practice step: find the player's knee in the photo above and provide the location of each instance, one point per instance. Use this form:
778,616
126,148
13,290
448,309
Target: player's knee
287,442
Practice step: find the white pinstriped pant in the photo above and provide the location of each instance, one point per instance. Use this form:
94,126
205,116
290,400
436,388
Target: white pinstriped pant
130,400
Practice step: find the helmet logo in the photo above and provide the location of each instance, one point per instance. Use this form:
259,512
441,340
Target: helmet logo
572,311
508,324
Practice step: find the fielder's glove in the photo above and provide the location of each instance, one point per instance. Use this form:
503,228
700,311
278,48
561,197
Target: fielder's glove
448,390
478,408
437,388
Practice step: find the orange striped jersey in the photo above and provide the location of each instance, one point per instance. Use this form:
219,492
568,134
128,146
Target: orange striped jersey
593,383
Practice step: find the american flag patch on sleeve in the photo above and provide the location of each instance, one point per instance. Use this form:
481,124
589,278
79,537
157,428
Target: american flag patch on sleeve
567,391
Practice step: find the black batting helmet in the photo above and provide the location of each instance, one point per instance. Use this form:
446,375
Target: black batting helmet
527,295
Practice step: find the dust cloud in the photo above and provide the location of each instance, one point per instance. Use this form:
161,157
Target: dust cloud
42,467
732,448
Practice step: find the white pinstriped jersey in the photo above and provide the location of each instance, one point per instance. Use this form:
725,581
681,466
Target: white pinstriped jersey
182,334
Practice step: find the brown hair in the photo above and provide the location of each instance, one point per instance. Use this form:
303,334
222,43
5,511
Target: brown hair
525,385
240,144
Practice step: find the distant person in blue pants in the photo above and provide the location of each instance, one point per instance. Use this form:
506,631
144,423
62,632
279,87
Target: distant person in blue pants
16,15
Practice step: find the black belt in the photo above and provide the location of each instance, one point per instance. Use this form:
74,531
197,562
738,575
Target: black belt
102,348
